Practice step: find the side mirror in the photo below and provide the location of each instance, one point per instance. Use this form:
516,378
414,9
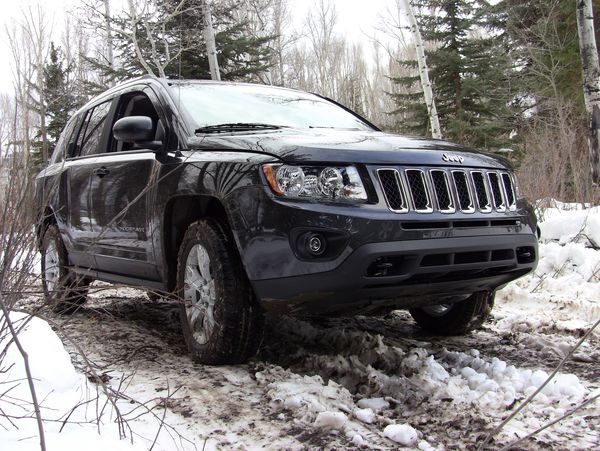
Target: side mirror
134,129
137,130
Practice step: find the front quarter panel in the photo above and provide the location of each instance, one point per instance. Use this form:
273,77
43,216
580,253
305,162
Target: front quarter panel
203,174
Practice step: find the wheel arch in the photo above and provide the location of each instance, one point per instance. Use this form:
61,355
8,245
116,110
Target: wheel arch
179,213
46,219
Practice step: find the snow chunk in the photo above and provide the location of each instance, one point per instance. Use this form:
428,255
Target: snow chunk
401,433
331,420
365,415
425,446
358,440
375,404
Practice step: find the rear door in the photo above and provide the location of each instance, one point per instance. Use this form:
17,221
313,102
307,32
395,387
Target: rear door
79,167
122,192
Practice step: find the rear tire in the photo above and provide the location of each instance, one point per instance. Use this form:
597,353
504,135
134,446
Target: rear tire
64,291
455,319
221,319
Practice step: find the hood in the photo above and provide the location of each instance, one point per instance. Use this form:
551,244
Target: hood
299,146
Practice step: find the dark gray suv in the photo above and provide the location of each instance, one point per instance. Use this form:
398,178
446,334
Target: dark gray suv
232,199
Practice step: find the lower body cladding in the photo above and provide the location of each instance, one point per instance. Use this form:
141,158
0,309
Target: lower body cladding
379,277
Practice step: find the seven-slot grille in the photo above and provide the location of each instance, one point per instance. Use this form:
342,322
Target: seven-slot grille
447,190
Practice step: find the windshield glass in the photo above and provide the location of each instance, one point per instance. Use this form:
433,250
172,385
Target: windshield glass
212,104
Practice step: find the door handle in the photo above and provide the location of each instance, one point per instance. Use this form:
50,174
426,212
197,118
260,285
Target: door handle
101,172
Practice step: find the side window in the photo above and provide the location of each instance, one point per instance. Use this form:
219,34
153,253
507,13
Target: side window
63,141
91,131
137,104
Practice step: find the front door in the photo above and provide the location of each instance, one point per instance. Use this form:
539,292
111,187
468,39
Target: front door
122,192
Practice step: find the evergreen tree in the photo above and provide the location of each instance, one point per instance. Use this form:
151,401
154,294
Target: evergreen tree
543,41
468,72
60,102
169,39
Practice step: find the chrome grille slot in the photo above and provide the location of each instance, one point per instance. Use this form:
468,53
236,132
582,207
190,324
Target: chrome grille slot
496,189
509,190
441,187
393,190
481,192
465,202
417,187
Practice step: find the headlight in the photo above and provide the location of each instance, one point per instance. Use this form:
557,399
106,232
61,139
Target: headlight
314,182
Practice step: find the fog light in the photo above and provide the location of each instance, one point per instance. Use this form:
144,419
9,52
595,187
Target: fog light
315,244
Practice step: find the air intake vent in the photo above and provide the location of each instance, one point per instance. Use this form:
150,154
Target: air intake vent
418,190
442,191
496,191
462,190
483,201
392,188
508,189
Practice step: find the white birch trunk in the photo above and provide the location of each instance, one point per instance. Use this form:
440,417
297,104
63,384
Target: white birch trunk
436,131
109,39
591,80
211,47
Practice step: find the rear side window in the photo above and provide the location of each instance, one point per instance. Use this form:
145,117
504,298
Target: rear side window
91,131
66,137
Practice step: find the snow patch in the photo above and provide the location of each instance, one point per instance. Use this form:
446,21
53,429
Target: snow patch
61,392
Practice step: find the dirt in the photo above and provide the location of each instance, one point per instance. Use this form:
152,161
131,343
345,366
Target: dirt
133,340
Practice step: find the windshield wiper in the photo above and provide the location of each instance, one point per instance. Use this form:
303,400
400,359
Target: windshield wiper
236,127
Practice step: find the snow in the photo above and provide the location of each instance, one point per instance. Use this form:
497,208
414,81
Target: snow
330,420
365,415
565,285
363,383
568,222
59,389
401,433
373,403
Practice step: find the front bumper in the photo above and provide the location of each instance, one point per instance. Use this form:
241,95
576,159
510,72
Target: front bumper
427,271
384,261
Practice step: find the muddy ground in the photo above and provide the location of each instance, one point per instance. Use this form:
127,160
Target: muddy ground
135,344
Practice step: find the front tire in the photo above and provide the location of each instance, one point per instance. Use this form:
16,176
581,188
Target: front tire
455,319
63,290
221,320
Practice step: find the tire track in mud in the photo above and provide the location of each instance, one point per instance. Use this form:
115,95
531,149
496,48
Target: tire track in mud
343,360
385,357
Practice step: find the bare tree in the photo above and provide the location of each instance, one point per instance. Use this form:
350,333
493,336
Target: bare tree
320,26
109,39
209,38
28,43
591,80
436,131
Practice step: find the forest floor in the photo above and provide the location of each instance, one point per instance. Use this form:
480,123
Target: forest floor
346,383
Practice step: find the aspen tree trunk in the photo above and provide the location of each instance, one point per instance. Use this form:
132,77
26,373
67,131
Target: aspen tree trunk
436,131
591,80
109,39
211,47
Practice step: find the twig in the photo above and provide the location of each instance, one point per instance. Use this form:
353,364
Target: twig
162,420
539,389
552,423
25,357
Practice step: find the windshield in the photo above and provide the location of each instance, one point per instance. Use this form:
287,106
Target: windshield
211,104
